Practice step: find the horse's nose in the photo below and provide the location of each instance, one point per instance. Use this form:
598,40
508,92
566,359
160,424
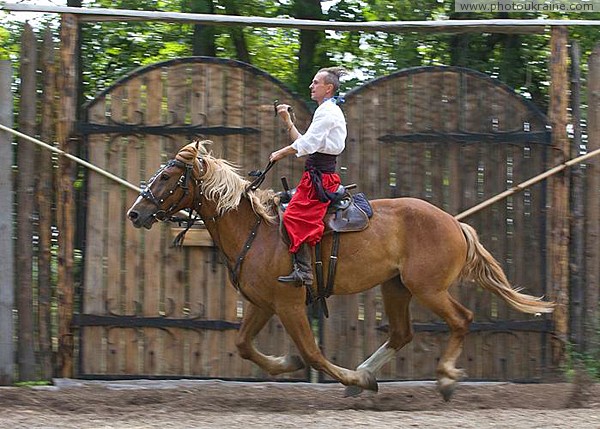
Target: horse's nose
133,215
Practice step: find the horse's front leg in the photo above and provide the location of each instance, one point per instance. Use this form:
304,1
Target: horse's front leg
254,320
296,324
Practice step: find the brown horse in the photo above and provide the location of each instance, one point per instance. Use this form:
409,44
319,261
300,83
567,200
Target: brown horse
412,249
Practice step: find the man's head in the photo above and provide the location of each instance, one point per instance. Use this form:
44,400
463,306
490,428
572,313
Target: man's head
326,83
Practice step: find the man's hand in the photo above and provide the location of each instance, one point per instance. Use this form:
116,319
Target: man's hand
282,153
284,110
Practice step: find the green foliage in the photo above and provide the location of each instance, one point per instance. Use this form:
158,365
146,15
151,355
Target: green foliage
9,40
521,61
32,383
577,361
4,44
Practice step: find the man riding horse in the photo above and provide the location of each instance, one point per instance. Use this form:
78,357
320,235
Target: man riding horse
323,142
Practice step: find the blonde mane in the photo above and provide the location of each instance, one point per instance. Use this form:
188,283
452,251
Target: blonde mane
223,184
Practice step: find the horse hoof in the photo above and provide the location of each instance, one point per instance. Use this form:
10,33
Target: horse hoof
296,363
369,381
446,386
459,374
352,391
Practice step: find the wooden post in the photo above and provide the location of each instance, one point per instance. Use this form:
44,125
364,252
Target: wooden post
67,87
44,200
25,191
7,286
577,247
592,215
558,252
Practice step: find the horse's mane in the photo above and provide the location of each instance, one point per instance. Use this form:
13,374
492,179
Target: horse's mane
222,183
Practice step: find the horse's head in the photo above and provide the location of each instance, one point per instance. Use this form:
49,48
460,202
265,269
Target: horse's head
171,189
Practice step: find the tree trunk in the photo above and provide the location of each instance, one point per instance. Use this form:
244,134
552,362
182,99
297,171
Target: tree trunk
237,33
308,63
25,192
44,201
67,115
7,262
592,214
558,289
203,42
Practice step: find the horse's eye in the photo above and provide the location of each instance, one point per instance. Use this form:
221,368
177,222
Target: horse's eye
164,176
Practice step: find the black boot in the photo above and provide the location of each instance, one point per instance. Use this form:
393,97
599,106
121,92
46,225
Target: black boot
302,270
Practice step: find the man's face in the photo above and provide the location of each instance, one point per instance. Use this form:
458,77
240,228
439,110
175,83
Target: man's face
319,90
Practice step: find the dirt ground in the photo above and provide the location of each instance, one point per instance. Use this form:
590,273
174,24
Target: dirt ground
220,404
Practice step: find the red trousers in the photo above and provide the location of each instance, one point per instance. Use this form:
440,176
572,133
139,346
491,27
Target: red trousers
303,218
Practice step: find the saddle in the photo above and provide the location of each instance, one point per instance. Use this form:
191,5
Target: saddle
346,212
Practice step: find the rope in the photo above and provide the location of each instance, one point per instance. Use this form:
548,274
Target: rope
72,158
518,188
521,186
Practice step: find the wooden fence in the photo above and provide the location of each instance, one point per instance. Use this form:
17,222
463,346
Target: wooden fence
448,135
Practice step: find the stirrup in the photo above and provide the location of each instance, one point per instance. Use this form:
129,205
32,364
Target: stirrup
296,277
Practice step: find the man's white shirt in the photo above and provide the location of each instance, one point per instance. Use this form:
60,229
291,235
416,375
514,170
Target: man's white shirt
326,133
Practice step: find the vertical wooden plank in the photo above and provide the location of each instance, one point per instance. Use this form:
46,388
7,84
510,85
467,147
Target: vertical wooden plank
93,344
68,84
400,107
133,237
592,275
577,246
153,360
24,196
559,183
7,273
44,200
199,269
175,275
234,114
255,113
198,96
372,309
115,359
385,149
354,141
216,108
342,338
213,312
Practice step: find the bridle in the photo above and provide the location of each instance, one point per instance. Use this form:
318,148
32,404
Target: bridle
183,183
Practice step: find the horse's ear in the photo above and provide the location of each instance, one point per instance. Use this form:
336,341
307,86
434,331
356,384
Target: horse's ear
201,146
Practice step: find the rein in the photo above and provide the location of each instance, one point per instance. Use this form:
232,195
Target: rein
260,177
234,271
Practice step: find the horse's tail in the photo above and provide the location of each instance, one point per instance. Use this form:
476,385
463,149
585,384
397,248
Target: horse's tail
482,268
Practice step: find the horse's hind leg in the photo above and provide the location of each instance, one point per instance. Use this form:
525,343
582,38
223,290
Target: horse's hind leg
458,319
396,302
254,320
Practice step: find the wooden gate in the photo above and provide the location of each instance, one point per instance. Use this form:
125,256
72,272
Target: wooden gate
150,310
448,135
